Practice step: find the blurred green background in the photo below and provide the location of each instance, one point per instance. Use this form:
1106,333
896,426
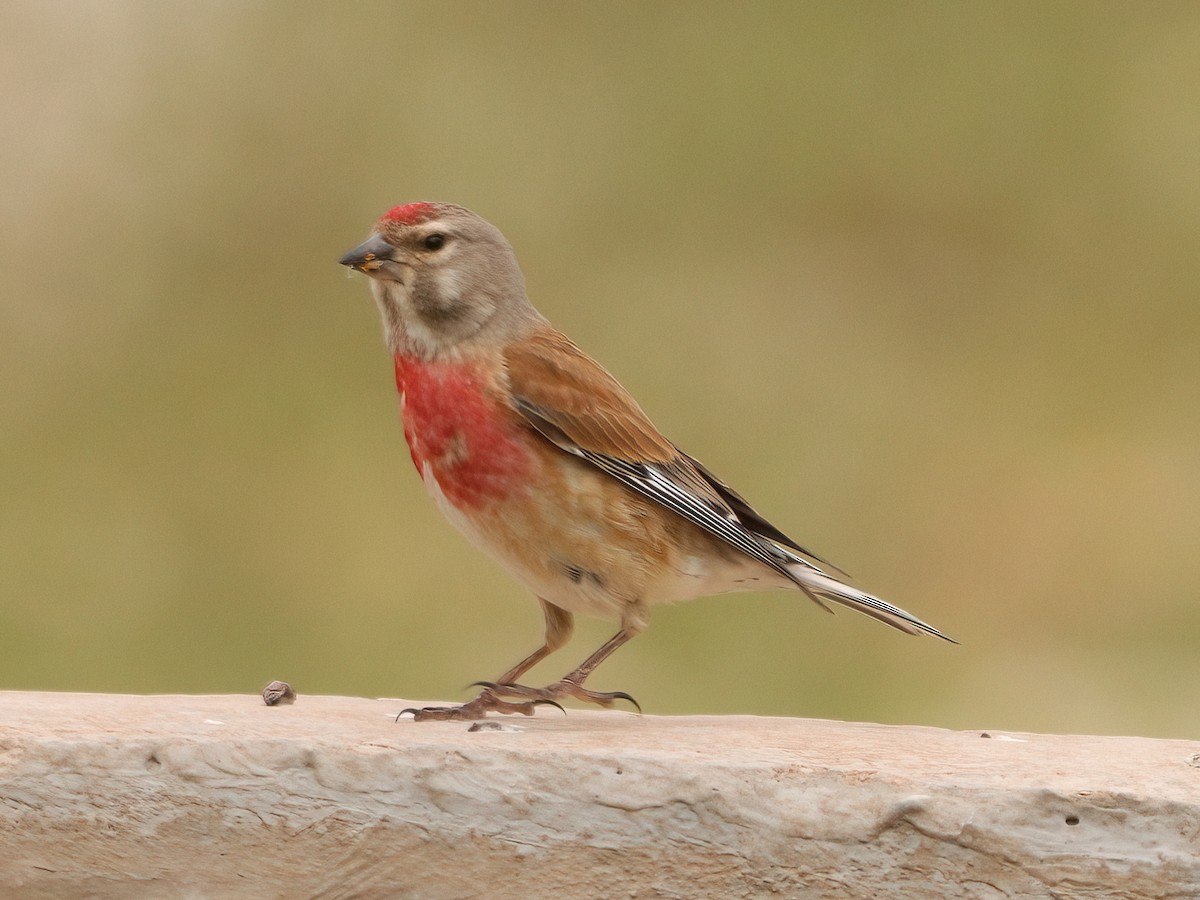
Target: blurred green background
920,280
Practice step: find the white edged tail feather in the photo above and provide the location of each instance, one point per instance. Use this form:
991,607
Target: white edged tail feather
821,587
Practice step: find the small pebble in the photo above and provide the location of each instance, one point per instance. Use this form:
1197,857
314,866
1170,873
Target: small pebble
277,693
489,725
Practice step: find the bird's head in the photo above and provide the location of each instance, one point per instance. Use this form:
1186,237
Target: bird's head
442,277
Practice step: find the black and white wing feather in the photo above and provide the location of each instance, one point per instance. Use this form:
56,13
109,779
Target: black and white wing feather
575,404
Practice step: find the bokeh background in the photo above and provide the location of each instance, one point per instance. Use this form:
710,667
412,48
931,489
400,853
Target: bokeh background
921,280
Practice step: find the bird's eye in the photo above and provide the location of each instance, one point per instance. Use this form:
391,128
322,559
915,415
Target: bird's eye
434,241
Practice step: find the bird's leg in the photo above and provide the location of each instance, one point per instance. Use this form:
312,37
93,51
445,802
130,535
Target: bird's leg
559,624
572,685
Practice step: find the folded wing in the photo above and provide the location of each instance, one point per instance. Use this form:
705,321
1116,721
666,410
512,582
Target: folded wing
579,407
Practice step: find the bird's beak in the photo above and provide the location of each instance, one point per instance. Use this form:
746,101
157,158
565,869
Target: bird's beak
369,255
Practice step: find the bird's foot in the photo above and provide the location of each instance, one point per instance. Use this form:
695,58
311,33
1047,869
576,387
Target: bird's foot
558,691
486,702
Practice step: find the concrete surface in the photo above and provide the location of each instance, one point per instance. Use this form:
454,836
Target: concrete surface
192,796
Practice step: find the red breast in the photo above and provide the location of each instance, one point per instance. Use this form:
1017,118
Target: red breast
461,432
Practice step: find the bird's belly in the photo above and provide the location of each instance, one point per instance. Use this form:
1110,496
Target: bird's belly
721,570
598,550
542,558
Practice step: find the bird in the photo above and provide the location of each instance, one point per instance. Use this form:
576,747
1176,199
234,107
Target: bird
543,461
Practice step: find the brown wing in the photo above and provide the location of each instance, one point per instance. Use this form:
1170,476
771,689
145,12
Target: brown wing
574,393
576,405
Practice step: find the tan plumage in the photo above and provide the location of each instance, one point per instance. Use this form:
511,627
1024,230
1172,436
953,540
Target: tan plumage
543,460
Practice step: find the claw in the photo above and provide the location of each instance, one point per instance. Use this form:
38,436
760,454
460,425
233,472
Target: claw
434,712
521,691
477,709
621,695
606,699
561,689
549,703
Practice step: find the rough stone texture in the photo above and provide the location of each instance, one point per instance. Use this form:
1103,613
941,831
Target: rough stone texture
125,796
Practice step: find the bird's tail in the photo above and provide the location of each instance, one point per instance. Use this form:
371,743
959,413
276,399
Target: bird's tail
821,587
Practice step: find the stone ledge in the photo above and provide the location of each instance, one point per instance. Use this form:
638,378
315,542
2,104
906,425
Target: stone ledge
134,796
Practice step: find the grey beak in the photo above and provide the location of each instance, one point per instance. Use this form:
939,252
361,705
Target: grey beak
369,255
